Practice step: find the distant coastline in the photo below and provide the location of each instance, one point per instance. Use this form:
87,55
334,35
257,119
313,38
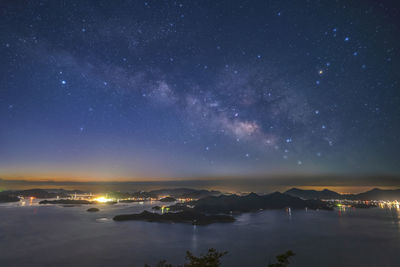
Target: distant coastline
258,184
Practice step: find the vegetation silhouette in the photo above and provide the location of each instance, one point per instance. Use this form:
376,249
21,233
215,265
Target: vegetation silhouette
283,259
213,259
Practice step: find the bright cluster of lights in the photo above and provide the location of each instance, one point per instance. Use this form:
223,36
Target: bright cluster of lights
390,204
103,199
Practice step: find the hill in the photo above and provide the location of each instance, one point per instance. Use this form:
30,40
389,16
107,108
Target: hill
251,202
374,194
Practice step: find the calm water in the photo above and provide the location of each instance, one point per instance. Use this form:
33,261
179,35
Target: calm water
59,236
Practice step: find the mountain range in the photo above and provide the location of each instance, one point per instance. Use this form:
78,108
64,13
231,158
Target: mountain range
374,194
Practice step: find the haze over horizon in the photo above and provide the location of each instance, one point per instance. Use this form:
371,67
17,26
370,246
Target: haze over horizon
145,90
340,184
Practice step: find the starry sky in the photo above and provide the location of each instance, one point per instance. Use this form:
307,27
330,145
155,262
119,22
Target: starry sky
165,89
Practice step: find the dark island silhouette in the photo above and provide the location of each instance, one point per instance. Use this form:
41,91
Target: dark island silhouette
184,193
168,199
374,194
7,198
209,209
93,210
68,202
249,203
197,196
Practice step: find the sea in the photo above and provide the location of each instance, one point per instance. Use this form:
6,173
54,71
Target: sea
54,235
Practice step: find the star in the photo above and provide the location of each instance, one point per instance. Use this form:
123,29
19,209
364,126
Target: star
63,82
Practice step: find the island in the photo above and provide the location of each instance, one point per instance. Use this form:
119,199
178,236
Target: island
191,217
168,199
129,201
7,198
93,210
249,203
374,194
364,206
76,202
214,209
68,202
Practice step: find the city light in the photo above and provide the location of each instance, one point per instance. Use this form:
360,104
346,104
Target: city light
103,199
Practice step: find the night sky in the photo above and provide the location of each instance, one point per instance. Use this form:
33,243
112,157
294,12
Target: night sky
165,89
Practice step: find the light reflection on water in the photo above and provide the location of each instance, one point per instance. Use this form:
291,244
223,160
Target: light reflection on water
49,235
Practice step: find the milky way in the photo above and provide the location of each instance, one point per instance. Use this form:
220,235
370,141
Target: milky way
133,89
